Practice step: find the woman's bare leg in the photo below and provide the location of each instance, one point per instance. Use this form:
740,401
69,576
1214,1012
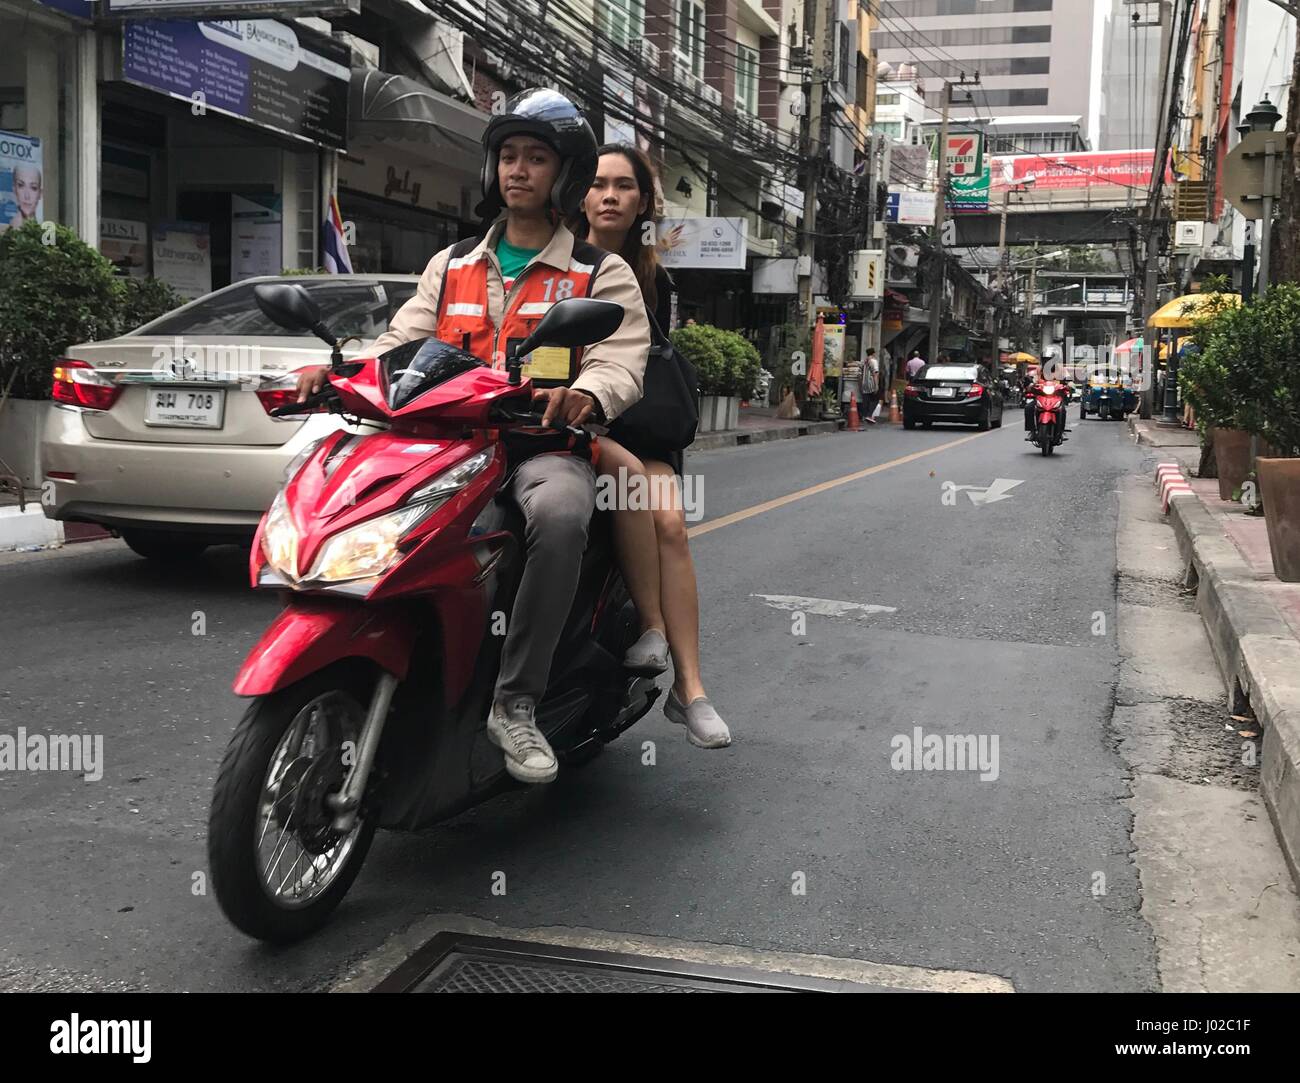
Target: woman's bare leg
680,597
635,542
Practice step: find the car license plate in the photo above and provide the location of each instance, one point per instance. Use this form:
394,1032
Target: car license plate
185,407
944,392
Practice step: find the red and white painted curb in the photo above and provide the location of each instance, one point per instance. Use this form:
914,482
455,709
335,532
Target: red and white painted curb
1171,482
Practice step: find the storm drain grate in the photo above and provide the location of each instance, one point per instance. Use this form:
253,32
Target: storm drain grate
463,963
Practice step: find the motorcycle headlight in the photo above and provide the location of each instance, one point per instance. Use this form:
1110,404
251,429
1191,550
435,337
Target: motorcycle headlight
368,549
280,538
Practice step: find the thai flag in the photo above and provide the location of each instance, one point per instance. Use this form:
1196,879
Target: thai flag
333,247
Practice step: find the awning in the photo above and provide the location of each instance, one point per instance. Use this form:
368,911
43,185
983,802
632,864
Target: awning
1185,311
385,106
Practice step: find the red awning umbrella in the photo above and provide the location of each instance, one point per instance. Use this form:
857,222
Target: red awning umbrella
817,370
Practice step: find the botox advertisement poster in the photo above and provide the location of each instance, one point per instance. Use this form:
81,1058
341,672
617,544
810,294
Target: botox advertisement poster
22,180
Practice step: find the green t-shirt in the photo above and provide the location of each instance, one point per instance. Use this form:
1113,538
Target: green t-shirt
513,260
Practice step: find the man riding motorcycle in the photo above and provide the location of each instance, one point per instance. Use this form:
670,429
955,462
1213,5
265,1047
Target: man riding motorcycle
482,295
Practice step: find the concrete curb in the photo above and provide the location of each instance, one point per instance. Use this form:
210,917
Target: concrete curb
1258,656
28,529
735,437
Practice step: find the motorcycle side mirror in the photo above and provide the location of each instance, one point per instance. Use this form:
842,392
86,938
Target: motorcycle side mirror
577,321
288,305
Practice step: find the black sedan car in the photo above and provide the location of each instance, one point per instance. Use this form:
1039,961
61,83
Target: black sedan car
964,394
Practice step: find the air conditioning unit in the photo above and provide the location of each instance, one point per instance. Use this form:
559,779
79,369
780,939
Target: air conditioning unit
1189,234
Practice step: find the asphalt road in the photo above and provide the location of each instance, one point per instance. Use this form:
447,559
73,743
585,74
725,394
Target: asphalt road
991,634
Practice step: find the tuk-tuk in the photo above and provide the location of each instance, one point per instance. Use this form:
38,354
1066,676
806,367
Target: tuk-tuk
1109,394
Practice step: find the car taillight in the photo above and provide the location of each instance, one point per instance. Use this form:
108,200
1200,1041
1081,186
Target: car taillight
77,383
282,392
975,390
912,389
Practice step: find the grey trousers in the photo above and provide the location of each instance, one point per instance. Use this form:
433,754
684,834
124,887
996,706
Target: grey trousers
557,494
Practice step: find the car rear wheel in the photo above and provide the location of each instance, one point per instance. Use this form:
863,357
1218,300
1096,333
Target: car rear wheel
909,422
985,420
165,546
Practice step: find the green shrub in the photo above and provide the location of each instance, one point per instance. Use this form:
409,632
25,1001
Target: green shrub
51,296
727,362
145,299
1243,374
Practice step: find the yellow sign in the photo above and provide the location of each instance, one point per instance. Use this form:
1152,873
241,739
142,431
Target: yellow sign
548,363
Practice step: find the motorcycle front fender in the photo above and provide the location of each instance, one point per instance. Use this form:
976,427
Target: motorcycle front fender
312,633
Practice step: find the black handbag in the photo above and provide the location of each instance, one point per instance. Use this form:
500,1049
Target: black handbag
668,413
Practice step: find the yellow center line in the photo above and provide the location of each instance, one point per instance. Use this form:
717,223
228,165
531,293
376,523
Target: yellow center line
823,486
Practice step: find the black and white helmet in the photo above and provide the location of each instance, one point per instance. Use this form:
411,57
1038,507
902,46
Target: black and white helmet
552,118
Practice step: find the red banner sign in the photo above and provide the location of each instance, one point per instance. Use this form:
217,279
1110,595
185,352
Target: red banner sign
1080,170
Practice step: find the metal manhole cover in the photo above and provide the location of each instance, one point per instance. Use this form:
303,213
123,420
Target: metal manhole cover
463,963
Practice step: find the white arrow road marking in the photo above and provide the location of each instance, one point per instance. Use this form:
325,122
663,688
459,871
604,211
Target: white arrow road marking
821,607
989,494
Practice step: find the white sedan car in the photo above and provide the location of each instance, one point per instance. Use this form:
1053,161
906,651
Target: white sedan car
165,435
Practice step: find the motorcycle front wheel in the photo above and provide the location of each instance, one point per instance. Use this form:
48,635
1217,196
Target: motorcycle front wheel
278,866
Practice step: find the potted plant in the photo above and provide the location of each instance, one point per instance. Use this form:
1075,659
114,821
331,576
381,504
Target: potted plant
1221,383
1248,360
700,345
55,290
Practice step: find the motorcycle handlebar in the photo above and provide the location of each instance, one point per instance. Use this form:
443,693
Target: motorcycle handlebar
307,405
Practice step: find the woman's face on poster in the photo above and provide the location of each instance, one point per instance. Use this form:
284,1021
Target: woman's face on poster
27,190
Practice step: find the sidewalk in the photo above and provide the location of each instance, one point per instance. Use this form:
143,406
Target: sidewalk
27,528
759,424
1251,617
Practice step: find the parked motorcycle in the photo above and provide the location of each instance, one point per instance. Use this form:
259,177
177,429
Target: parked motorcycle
399,555
1047,401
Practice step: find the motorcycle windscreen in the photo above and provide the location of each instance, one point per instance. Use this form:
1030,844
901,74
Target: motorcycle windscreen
415,367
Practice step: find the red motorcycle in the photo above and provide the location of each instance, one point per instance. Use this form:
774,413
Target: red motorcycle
399,555
1045,404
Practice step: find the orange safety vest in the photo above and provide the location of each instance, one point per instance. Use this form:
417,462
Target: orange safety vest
464,321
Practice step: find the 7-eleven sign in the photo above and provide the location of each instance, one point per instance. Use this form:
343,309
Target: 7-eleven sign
965,155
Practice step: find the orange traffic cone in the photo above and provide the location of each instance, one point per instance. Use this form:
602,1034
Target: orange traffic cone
895,414
854,422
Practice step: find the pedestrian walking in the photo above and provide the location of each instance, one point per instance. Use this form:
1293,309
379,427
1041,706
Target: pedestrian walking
871,387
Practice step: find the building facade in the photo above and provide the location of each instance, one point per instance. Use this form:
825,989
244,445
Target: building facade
1032,56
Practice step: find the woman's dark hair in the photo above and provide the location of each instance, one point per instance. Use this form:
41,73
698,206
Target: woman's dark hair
642,258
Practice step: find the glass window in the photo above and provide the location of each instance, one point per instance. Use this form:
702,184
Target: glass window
348,307
623,21
746,79
949,372
689,45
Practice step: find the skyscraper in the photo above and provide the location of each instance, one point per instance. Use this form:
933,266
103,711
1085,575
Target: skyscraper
1034,57
1130,85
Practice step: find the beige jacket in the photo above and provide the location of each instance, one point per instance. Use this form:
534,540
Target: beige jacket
612,370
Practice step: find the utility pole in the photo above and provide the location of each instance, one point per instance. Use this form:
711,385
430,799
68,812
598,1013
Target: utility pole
1151,280
940,209
812,140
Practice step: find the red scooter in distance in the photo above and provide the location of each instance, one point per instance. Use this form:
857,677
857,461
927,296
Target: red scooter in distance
1047,400
399,555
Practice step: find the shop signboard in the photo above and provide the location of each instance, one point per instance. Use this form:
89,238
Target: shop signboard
254,236
22,180
211,9
970,195
277,75
125,244
910,208
182,257
717,244
965,154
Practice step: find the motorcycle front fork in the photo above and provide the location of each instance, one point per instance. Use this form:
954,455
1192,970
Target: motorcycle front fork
347,801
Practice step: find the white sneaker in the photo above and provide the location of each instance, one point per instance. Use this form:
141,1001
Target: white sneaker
513,729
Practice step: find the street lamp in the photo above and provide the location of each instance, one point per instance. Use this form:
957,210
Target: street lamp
1263,118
